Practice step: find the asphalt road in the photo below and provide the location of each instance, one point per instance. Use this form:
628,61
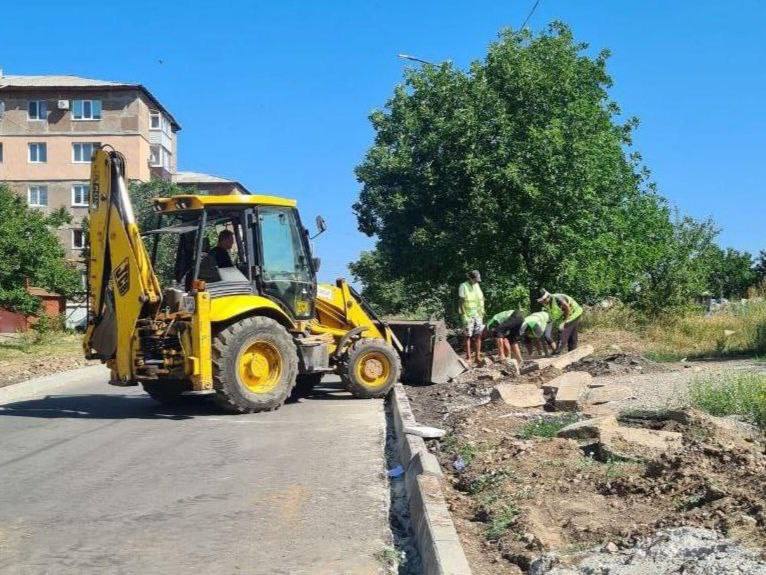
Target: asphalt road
98,479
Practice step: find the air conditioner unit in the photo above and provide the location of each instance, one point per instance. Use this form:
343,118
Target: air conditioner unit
63,105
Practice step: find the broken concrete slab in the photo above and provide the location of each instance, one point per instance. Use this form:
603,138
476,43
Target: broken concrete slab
424,431
608,393
565,359
588,429
569,396
572,377
491,375
636,443
523,395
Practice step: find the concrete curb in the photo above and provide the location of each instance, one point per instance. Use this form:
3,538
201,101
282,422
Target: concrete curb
440,550
47,383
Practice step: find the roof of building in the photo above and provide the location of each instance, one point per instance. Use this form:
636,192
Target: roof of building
192,178
63,81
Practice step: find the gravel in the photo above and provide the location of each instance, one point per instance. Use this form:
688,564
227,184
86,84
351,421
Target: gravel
670,389
684,550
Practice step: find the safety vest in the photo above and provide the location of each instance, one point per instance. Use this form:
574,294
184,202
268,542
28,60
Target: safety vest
557,315
539,318
499,318
473,300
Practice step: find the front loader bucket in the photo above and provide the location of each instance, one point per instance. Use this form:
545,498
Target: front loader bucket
427,356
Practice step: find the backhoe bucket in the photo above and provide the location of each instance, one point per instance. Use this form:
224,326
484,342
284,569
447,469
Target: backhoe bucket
427,356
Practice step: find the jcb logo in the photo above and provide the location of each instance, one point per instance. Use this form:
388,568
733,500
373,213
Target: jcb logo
122,277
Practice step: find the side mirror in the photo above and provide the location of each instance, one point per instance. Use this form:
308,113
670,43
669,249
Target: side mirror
321,227
316,263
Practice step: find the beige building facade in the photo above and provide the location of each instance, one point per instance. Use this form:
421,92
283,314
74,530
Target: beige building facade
50,125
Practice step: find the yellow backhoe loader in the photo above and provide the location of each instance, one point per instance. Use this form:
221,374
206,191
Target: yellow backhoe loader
248,329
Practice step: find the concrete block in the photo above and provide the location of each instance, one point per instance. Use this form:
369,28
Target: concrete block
519,395
569,396
565,359
572,377
588,429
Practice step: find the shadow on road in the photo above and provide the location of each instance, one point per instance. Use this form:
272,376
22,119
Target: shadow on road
132,406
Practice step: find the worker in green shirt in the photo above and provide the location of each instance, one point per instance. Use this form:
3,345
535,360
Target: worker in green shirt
504,327
472,313
536,329
565,314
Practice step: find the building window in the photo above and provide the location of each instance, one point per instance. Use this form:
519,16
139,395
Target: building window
78,239
37,196
155,120
1,152
155,155
37,110
38,153
83,151
80,194
86,109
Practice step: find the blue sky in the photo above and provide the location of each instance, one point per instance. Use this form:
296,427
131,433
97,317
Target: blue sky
277,94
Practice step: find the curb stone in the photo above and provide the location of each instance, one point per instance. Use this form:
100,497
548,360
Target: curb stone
437,540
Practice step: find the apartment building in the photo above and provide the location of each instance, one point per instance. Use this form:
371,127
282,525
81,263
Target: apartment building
50,125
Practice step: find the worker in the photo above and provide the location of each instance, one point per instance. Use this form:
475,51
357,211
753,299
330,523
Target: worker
565,313
504,327
472,313
221,251
536,329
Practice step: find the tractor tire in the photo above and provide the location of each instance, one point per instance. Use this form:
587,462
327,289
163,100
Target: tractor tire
254,365
305,383
371,368
166,392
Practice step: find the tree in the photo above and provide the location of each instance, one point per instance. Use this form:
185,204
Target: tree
519,168
730,272
760,267
29,249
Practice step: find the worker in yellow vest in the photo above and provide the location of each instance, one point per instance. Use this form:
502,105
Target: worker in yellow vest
536,330
472,313
565,313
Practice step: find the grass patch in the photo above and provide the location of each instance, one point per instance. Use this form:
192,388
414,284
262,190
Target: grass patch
30,345
488,481
501,521
546,427
733,393
737,330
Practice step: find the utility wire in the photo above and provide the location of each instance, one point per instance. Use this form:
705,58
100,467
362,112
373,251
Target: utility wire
532,11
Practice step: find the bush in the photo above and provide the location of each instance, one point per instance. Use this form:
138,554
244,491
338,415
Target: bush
742,394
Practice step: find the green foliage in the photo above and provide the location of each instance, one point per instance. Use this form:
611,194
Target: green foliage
501,521
730,272
733,393
519,167
29,249
546,427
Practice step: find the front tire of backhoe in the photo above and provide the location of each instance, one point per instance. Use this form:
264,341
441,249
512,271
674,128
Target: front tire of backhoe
254,365
371,368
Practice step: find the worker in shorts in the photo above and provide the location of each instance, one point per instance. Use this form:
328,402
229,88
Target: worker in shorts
536,330
472,313
504,327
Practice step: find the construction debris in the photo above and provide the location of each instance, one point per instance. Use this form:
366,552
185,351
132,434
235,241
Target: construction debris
564,360
523,395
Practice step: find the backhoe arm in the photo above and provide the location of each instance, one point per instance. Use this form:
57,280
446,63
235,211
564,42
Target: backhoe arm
122,286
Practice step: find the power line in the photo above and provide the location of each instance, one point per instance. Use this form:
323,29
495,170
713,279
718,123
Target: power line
532,11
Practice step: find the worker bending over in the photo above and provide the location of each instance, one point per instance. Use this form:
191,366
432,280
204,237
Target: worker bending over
536,327
504,327
565,313
472,313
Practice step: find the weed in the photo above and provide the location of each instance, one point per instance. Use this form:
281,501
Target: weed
546,427
501,522
388,556
488,480
732,393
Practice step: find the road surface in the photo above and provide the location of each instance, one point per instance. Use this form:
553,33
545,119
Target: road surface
98,479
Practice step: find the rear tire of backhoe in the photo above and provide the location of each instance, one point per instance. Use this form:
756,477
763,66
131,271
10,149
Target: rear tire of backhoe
371,369
166,392
254,365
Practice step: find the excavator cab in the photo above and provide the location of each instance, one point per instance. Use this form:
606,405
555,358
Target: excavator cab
222,296
235,250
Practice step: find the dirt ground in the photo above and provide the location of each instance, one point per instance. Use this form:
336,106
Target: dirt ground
21,360
517,491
